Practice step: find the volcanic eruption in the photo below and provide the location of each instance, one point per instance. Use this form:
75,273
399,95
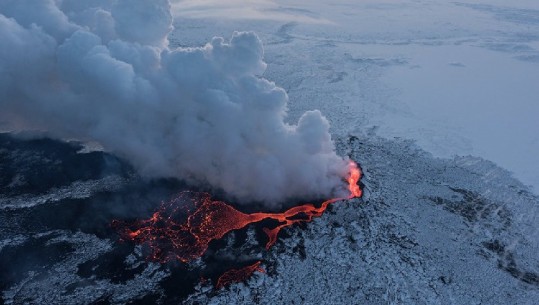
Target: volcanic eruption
106,72
206,220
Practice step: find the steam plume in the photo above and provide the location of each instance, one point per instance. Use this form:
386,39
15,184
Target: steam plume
102,70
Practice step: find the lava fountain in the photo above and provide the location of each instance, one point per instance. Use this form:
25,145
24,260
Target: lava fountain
180,231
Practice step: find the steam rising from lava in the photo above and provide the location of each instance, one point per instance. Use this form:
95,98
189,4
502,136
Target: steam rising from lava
183,228
103,71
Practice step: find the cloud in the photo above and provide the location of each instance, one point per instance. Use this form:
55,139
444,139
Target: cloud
102,71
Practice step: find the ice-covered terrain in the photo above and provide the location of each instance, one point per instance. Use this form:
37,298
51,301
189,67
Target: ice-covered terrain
402,83
428,231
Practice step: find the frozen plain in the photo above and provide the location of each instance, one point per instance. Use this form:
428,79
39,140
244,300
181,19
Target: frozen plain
459,78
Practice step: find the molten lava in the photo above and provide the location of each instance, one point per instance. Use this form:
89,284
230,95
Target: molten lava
238,275
183,232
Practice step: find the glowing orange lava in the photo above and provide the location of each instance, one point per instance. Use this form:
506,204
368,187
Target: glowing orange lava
238,275
183,232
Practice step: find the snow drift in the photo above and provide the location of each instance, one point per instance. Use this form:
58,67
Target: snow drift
103,71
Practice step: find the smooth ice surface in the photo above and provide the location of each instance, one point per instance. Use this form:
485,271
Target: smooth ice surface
460,78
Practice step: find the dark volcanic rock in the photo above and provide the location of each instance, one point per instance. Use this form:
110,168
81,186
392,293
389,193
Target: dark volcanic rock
35,166
426,231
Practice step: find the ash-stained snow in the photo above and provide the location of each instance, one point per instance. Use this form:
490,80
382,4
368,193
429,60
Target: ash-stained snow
427,231
76,190
61,283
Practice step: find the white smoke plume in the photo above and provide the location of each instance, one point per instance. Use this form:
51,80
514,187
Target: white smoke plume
102,70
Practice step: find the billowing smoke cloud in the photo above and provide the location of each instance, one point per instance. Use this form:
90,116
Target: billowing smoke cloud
102,70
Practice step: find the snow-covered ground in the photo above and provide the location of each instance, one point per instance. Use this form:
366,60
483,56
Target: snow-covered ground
426,231
459,78
403,83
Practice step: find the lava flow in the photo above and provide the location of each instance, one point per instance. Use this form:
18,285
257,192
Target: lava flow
183,231
238,275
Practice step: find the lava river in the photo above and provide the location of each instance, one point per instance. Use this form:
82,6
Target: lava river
183,228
